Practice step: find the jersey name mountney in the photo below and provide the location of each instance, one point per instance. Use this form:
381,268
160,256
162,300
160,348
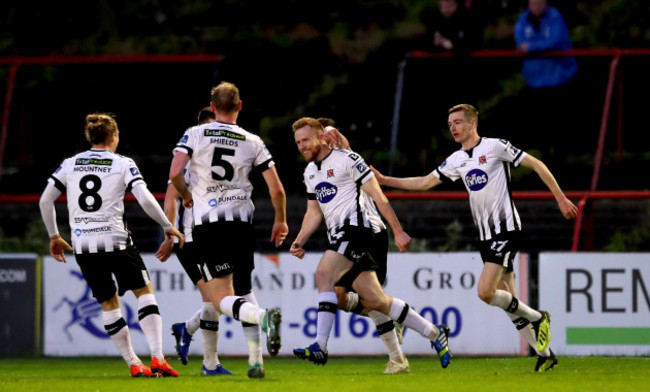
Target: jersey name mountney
222,157
485,171
95,182
335,182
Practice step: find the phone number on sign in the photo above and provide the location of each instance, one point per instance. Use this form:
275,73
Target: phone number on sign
359,326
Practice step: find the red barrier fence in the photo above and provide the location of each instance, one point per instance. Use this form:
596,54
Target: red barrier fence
581,197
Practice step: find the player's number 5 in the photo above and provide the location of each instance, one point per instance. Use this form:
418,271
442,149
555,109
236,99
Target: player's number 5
218,161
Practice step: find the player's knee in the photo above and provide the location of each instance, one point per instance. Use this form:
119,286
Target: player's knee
486,294
324,280
342,298
375,302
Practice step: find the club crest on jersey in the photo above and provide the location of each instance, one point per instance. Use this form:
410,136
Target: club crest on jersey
476,179
212,202
77,232
325,192
482,160
330,173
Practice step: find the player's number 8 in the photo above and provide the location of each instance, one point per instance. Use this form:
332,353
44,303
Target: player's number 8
89,186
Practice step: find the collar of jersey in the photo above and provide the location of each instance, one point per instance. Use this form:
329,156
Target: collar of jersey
318,163
471,150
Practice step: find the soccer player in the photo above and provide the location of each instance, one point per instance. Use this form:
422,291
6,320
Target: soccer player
335,180
207,318
349,301
221,155
95,182
483,164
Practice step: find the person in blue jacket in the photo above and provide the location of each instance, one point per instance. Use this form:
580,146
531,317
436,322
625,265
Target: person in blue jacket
541,28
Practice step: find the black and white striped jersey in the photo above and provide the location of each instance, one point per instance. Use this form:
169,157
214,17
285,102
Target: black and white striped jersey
95,182
373,213
485,171
335,182
222,157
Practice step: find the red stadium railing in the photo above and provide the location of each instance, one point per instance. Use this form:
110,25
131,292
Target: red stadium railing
581,197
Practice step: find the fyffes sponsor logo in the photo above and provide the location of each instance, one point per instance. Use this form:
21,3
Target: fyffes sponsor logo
476,179
325,192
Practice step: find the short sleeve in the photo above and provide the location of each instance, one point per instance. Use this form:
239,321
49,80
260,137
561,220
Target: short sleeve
505,151
132,174
186,144
263,159
358,169
59,177
309,187
447,172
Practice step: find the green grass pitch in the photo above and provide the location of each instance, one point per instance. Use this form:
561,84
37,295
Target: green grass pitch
348,374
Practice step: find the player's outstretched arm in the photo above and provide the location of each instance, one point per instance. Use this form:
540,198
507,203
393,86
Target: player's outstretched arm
165,249
57,244
279,201
371,187
173,232
170,207
310,222
421,183
568,209
57,247
152,208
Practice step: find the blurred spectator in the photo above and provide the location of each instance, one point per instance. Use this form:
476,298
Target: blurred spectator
453,28
541,28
